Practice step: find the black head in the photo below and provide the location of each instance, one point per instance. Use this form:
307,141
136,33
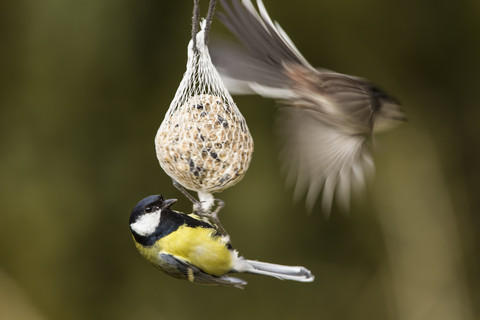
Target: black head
148,210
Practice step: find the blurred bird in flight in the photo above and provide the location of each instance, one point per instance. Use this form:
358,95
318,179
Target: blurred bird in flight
325,119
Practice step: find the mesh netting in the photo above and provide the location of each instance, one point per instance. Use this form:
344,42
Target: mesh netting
204,142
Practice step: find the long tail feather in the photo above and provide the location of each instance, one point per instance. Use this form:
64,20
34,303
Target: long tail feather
295,273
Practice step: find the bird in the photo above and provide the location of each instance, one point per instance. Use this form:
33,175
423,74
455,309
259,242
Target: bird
188,246
325,119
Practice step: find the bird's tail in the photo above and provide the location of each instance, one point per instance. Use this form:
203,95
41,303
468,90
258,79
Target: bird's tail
295,273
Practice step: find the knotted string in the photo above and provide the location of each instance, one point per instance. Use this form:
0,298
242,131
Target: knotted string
196,19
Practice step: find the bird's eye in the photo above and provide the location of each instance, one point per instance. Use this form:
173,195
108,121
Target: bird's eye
148,209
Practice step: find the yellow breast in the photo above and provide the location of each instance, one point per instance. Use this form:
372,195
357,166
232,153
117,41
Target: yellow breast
198,246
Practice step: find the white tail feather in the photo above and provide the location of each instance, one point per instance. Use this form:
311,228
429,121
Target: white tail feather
295,273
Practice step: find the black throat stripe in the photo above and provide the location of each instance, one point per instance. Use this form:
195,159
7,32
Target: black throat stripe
170,221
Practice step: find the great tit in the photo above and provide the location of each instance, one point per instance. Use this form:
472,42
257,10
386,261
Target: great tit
187,246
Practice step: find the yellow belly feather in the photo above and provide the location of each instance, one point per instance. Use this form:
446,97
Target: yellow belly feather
198,246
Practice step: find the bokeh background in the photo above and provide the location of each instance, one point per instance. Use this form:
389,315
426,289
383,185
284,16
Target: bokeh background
84,86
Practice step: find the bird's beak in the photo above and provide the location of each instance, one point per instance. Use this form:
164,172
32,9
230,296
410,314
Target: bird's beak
167,203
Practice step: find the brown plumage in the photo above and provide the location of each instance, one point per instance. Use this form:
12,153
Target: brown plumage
325,118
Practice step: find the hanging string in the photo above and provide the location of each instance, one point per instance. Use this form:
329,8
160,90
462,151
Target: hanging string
195,22
211,11
196,18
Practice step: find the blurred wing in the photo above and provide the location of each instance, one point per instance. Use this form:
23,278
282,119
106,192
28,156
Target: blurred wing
319,157
195,274
329,116
259,68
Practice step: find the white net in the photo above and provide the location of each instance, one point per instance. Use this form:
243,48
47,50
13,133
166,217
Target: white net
204,142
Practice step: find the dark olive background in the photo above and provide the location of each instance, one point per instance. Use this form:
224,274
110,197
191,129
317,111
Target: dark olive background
84,86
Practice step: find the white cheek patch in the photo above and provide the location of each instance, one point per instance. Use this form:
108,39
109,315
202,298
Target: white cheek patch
146,224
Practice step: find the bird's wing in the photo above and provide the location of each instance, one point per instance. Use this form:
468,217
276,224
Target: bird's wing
194,274
256,69
318,157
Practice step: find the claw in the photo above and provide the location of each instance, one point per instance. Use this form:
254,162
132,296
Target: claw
198,209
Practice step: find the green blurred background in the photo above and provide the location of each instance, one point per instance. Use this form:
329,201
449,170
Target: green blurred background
84,86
